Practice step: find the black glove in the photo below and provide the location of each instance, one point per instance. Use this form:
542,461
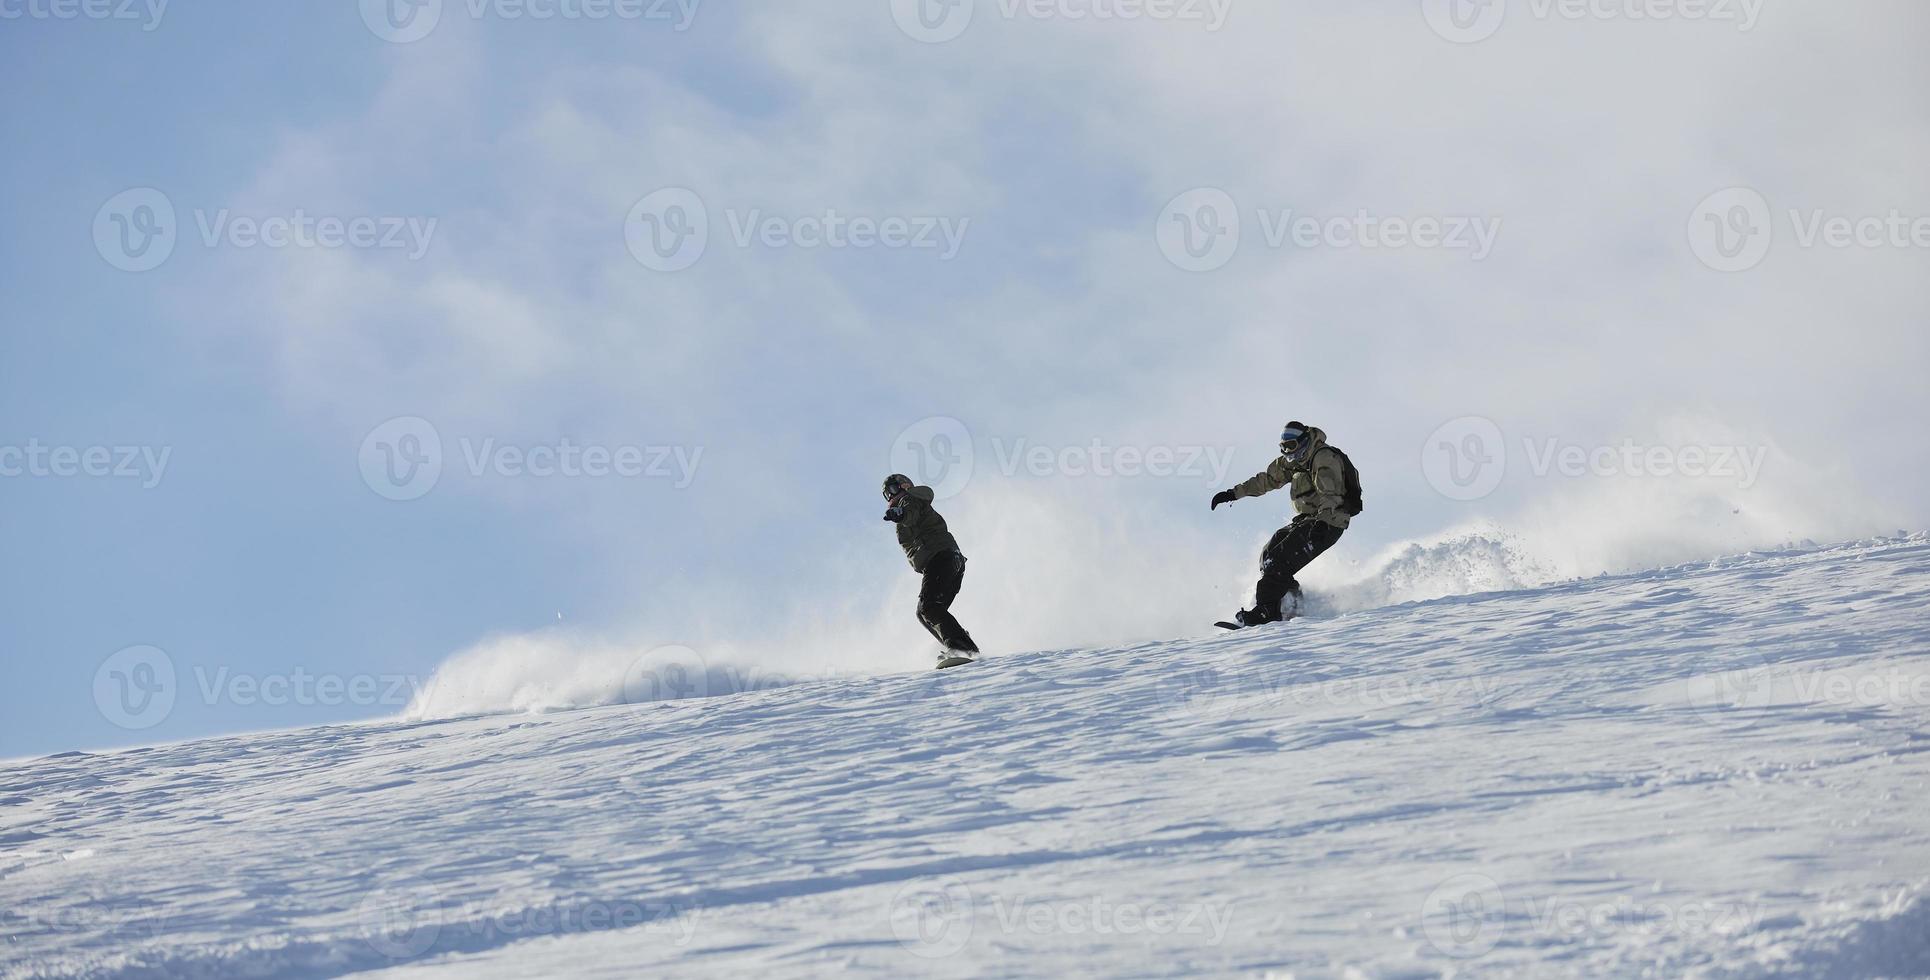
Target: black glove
1224,497
894,514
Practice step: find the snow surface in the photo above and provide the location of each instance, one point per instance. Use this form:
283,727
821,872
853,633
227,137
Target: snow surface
1710,770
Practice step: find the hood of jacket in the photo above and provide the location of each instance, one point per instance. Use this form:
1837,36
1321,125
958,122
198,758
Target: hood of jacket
1318,438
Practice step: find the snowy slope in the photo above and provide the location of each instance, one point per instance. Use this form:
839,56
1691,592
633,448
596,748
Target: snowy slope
1717,769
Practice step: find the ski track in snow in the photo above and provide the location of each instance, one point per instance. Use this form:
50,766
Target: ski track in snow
1711,770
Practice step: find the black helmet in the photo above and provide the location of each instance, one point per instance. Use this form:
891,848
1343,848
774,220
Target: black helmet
896,484
1296,440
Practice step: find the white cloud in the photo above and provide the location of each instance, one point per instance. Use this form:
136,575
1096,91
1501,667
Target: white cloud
1061,320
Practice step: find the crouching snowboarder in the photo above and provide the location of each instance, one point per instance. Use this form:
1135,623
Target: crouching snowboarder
1326,496
933,553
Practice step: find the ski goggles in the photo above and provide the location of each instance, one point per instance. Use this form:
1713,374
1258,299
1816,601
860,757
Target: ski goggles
1291,439
896,485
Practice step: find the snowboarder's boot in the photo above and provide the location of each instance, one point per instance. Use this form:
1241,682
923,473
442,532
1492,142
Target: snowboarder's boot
1257,616
1262,613
1245,618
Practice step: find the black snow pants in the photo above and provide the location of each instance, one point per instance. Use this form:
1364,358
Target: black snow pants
943,577
1290,550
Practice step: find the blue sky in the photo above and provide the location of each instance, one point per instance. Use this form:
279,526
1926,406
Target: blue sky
1057,144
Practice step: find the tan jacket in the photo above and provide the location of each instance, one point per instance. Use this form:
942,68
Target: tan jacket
1318,486
921,532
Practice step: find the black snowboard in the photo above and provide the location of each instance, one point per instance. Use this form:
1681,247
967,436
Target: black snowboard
1237,626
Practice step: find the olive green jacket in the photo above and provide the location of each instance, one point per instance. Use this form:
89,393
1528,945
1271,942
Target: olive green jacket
921,532
1318,485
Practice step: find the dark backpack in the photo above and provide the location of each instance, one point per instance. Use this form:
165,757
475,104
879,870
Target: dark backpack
1350,504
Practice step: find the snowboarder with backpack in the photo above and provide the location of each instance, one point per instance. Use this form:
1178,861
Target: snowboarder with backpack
1326,496
933,553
